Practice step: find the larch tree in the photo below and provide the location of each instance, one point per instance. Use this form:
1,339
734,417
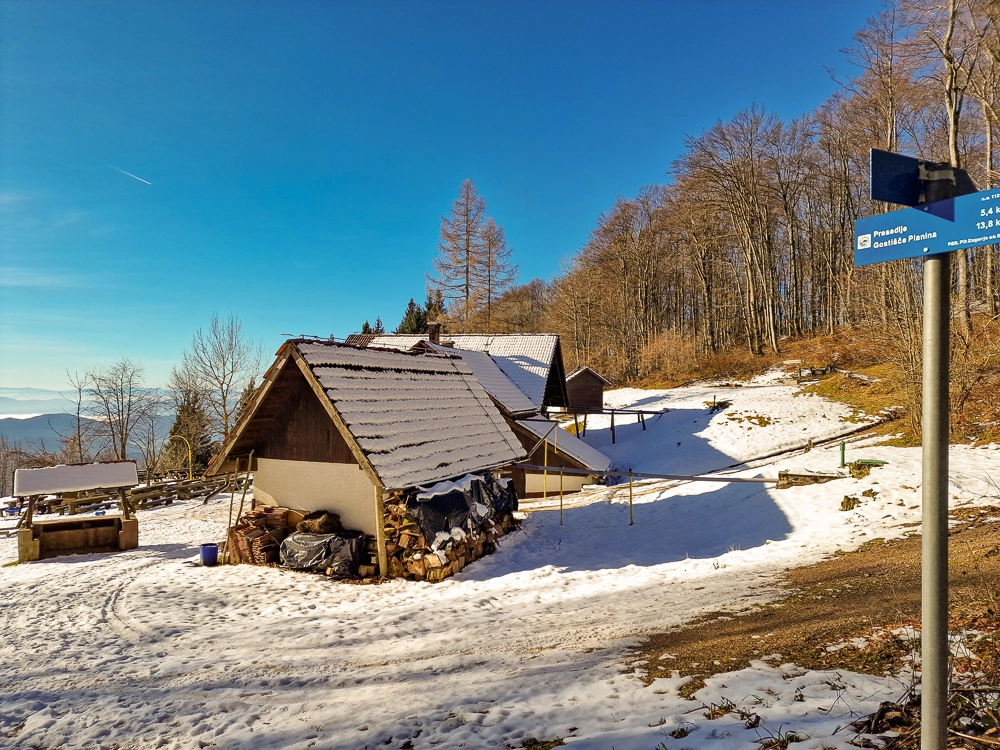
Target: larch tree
495,272
460,251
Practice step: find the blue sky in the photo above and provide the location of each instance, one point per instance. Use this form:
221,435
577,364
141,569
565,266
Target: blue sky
300,155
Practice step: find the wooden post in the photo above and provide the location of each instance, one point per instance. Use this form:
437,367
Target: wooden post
123,501
612,426
631,520
232,496
246,484
576,424
383,557
584,424
560,496
26,521
642,420
545,471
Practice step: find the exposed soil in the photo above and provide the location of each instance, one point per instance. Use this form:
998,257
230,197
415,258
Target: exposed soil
873,589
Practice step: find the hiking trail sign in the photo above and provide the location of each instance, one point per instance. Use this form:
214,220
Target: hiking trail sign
946,214
940,227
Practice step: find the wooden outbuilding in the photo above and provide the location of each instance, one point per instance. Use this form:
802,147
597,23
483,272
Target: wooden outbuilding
545,442
335,427
532,361
585,389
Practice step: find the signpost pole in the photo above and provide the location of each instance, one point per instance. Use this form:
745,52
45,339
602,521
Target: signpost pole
934,565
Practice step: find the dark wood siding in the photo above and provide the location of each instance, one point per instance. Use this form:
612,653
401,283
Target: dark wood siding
305,432
555,385
292,424
586,391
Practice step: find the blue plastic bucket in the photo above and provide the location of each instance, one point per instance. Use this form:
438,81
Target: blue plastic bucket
209,554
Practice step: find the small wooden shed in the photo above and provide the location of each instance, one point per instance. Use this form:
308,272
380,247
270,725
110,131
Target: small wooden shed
585,388
334,427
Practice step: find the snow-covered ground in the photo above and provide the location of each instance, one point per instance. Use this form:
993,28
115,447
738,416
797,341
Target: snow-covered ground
146,649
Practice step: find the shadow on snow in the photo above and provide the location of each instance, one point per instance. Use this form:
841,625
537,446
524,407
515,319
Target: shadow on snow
707,521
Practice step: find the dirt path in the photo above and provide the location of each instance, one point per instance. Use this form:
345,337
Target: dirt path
873,589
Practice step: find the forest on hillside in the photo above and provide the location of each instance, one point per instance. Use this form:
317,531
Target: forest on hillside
748,244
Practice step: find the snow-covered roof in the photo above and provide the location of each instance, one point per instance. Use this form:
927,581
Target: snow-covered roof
401,341
525,358
418,418
592,371
566,442
492,378
74,478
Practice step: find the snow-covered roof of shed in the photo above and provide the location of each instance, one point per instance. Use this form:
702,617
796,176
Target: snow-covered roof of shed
582,369
492,378
418,418
525,358
571,445
75,478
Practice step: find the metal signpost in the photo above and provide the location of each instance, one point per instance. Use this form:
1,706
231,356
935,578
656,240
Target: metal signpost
946,216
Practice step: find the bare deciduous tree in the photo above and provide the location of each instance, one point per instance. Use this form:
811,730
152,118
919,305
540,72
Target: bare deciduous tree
219,365
12,457
121,403
84,439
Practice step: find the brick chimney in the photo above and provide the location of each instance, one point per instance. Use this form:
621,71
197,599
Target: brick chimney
434,332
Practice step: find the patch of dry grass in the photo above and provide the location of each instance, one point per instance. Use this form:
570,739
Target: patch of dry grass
865,594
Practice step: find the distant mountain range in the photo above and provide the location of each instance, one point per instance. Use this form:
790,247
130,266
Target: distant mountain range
10,407
34,417
37,432
41,432
32,401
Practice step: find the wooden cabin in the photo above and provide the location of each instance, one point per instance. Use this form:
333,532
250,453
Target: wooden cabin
585,389
334,427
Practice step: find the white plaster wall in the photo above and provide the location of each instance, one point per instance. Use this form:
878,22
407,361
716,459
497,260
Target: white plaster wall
571,482
309,485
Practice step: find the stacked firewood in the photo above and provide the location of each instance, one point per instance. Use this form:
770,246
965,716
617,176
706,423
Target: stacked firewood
256,538
414,557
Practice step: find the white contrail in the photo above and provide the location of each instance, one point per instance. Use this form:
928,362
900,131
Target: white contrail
134,177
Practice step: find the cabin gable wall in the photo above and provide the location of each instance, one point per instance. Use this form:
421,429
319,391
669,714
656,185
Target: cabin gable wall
305,431
585,391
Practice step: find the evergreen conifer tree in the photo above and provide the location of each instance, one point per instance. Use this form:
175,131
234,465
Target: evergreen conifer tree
414,319
191,422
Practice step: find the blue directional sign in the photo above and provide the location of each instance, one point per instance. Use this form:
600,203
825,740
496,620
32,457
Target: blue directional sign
941,227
